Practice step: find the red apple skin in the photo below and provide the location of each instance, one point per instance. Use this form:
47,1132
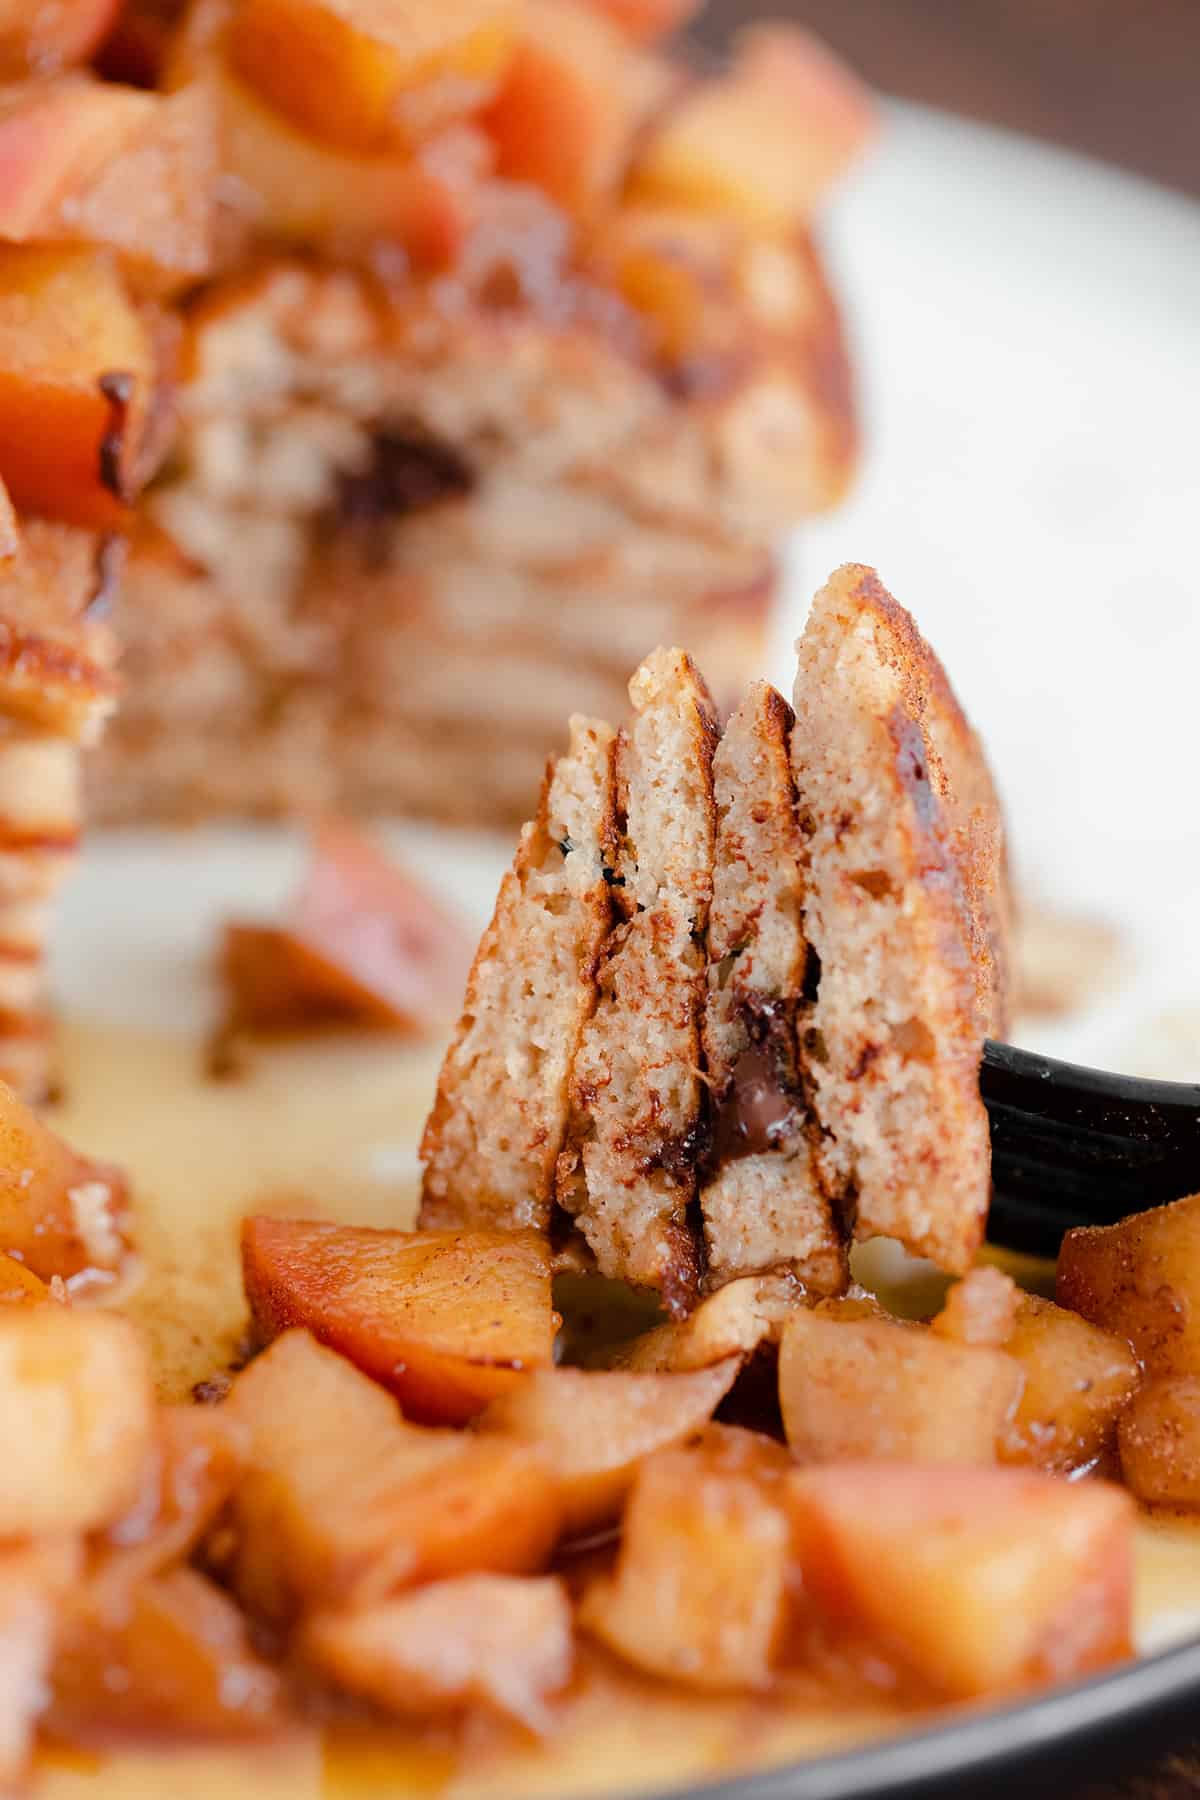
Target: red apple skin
447,1321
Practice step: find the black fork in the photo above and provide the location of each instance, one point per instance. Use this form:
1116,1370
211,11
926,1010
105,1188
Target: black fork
1074,1146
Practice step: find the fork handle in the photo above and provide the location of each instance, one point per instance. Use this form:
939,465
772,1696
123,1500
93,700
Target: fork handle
1075,1146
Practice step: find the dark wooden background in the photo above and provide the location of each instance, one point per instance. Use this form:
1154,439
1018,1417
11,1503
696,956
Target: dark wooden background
1118,78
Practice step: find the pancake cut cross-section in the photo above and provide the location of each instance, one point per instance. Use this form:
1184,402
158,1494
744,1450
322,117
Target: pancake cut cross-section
763,1206
892,909
498,1120
628,1170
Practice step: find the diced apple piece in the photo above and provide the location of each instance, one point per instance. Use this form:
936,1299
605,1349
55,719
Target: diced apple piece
594,1426
501,1642
763,142
1159,1437
191,1471
446,1319
645,20
977,1581
1140,1280
979,1309
852,1388
300,192
77,370
77,1407
177,1659
700,1592
33,1580
734,1321
1078,1379
564,116
370,75
60,1213
83,161
363,942
19,1286
36,39
346,1503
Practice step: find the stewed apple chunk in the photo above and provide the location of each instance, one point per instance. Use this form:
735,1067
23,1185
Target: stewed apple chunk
37,39
19,1286
302,192
564,115
1159,1437
734,1321
1078,1380
33,1581
851,1388
60,1213
77,1408
193,1465
77,368
973,1581
1140,1280
345,1503
644,20
700,1592
763,142
502,1642
175,1657
446,1319
83,161
595,1426
370,75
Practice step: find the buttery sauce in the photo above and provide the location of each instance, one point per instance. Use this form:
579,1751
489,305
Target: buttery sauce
330,1128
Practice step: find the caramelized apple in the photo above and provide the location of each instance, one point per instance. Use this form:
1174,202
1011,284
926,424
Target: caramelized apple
37,39
763,142
175,1658
83,161
1078,1380
76,1405
1140,1280
363,942
59,1213
645,20
564,116
979,1581
33,1581
76,372
446,1319
19,1286
301,192
345,1503
853,1388
496,1641
595,1426
732,1322
1159,1438
700,1592
193,1466
370,75
56,654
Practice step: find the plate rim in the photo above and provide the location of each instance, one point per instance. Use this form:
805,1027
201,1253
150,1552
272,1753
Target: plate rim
983,1747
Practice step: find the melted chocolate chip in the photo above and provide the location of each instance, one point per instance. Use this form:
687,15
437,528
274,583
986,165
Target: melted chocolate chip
758,1109
409,470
